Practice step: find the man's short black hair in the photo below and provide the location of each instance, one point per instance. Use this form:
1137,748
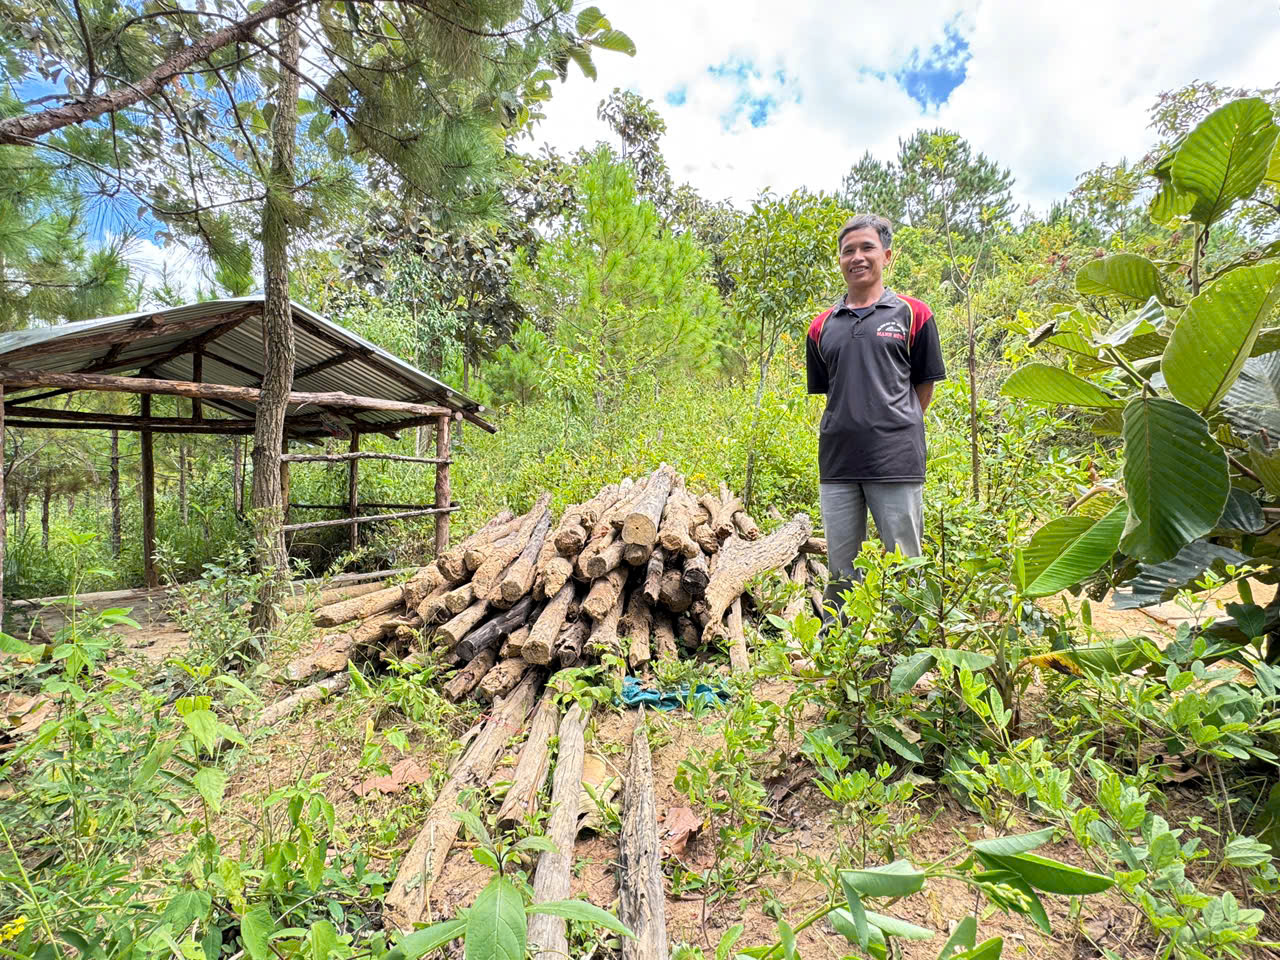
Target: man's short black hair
864,221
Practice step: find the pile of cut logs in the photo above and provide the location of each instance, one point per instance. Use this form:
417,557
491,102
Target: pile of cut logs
639,571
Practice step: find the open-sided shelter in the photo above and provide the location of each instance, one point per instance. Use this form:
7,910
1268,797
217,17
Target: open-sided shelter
213,353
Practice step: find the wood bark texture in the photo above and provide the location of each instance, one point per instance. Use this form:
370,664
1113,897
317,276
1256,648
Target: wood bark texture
544,633
640,526
643,901
741,560
521,800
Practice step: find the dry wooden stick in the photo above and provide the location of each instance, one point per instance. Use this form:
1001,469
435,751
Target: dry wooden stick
544,633
452,563
640,525
604,593
642,902
466,679
521,800
517,581
741,560
454,630
635,624
358,607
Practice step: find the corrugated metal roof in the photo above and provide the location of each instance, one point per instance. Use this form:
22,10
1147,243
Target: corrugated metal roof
235,358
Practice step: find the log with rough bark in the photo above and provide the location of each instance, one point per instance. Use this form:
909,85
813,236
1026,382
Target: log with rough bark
653,575
521,801
500,557
422,584
817,545
575,526
371,629
515,640
501,679
487,635
705,539
359,607
678,523
687,632
480,552
696,575
636,554
672,594
546,934
739,661
640,526
421,867
433,608
459,598
594,564
700,613
642,899
545,556
519,579
544,633
454,630
664,637
627,492
466,679
799,575
617,515
817,570
452,563
604,593
747,527
635,625
740,560
604,632
569,645
329,655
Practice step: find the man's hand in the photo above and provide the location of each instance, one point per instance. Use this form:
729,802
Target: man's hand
924,393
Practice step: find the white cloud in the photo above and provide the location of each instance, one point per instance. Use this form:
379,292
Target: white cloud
1050,90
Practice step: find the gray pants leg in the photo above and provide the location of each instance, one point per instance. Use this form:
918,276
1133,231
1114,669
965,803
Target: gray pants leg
898,509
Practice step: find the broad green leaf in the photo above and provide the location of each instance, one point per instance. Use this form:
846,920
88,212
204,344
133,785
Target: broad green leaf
151,764
1051,876
986,950
204,725
1273,168
1081,553
1267,341
323,939
496,924
16,648
788,938
731,936
1049,541
1225,157
1175,476
1124,275
211,782
905,674
581,910
1265,465
582,58
590,19
615,40
185,908
963,937
255,929
898,744
893,927
966,659
897,879
1074,343
857,914
1046,383
1253,402
1013,845
429,938
1118,656
1216,333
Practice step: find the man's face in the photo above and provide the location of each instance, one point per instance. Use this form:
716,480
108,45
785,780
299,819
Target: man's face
862,259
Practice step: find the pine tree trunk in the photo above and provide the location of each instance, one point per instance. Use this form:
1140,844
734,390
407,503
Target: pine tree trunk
115,493
278,345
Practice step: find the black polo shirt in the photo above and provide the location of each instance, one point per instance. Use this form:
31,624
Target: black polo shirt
867,362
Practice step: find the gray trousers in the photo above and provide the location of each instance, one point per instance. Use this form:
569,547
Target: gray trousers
898,509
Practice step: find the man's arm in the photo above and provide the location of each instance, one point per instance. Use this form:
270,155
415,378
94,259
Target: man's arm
924,393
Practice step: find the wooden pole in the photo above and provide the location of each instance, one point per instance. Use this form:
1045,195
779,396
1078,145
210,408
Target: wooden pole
442,484
4,509
115,493
237,477
148,502
353,489
197,375
284,480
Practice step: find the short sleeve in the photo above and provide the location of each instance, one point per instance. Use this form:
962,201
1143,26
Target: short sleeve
815,367
926,354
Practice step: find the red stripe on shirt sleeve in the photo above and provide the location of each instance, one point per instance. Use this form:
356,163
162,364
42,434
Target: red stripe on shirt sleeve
920,315
815,328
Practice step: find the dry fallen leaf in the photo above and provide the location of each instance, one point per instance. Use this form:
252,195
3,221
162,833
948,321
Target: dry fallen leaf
679,825
408,772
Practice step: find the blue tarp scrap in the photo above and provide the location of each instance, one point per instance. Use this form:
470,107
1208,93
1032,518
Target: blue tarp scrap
635,693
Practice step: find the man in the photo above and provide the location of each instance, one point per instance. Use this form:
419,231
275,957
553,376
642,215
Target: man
876,356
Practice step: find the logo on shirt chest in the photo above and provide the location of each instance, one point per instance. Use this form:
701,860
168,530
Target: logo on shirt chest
892,329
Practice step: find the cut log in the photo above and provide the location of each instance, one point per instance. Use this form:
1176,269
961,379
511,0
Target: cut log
687,632
816,545
433,608
604,593
575,526
546,934
452,563
705,539
595,564
741,560
747,527
521,801
559,572
799,575
327,655
459,598
635,625
678,521
301,601
739,661
618,513
502,555
358,607
664,637
569,645
700,613
516,639
672,594
501,679
423,863
283,708
370,630
817,569
540,569
627,492
653,575
454,630
604,634
819,602
642,900
419,587
519,579
640,526
544,633
696,575
487,635
636,554
466,679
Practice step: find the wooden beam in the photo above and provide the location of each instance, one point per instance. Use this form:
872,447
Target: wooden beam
353,487
67,343
4,509
213,391
196,343
346,521
356,454
129,420
208,427
443,494
197,374
150,576
334,361
363,503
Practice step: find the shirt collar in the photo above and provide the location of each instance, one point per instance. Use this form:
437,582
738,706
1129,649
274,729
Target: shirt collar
887,299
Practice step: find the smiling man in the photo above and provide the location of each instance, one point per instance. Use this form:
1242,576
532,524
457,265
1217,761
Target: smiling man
876,356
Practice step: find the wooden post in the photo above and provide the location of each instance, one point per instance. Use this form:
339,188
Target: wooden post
237,477
197,376
115,493
353,489
148,502
4,509
284,480
442,484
